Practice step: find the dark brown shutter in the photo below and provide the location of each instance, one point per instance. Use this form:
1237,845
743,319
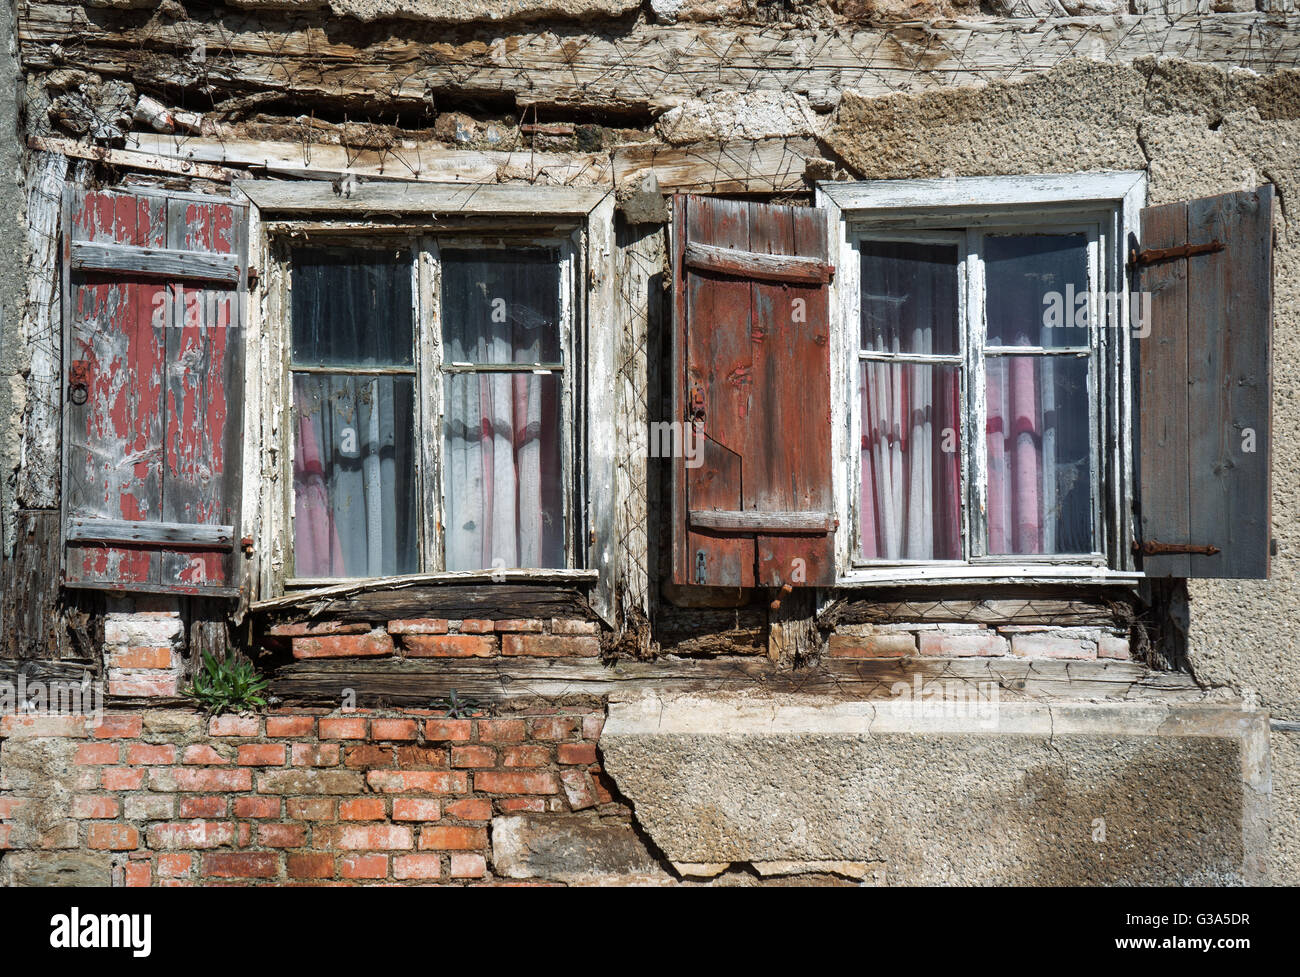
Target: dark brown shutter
154,300
1203,406
752,376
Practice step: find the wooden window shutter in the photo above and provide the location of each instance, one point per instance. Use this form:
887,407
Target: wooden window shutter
154,294
751,390
1204,394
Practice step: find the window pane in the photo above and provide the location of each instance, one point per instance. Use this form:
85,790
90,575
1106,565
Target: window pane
909,297
500,306
352,306
354,476
1037,287
1039,455
501,470
910,501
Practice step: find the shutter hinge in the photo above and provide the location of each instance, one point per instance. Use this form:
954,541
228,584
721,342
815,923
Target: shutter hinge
1150,255
1153,547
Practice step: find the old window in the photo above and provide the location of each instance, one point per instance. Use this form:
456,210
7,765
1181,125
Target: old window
432,405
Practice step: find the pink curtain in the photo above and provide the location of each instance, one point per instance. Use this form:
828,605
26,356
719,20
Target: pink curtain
316,548
910,502
1020,450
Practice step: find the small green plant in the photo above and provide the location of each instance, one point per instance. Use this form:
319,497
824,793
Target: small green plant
458,707
233,684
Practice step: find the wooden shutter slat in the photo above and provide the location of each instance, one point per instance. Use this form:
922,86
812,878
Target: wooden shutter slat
172,534
750,520
1205,391
753,264
154,262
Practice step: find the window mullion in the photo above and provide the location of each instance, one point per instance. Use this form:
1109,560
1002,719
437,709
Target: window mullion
975,420
430,399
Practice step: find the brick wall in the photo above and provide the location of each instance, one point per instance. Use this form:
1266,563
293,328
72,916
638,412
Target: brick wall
977,640
170,798
442,638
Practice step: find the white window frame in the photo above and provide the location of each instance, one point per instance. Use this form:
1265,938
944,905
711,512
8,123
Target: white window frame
967,208
577,222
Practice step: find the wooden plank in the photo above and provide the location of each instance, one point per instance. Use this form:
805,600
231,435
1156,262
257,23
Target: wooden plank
756,520
759,166
154,262
751,264
170,535
1229,326
451,596
134,160
1027,191
635,70
308,197
1162,395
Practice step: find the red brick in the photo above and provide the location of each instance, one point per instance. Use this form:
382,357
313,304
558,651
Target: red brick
476,626
31,727
604,786
392,729
448,646
565,625
419,781
118,727
376,645
174,866
961,644
261,754
417,867
413,757
361,757
473,756
5,831
535,805
452,837
576,753
362,809
301,629
143,684
555,728
122,778
146,754
310,808
1045,644
138,874
233,726
257,807
141,658
577,790
363,866
191,834
84,806
10,806
314,755
520,624
466,865
454,730
311,865
470,809
511,782
112,837
201,753
290,725
419,625
592,727
1113,646
343,729
416,809
365,837
500,730
202,779
528,755
89,754
281,835
240,865
550,646
888,645
210,806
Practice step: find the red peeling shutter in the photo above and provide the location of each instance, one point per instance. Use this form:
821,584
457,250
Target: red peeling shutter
753,507
1204,397
154,302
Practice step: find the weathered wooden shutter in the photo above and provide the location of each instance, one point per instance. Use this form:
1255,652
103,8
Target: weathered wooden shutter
752,380
1204,396
154,302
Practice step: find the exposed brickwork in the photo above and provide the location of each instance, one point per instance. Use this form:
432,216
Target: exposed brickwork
441,638
296,798
962,640
140,653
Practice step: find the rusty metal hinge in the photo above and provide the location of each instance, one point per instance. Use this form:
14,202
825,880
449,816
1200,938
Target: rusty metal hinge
1149,255
1153,547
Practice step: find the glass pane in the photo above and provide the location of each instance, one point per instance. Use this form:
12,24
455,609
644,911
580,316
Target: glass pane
352,306
1039,455
501,471
501,306
354,476
909,297
1037,287
910,497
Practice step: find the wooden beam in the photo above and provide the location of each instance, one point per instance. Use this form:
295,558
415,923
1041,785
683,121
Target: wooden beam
752,264
516,594
163,262
756,521
276,197
134,160
171,535
759,166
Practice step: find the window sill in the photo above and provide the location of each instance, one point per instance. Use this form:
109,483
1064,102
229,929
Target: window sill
987,574
299,590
